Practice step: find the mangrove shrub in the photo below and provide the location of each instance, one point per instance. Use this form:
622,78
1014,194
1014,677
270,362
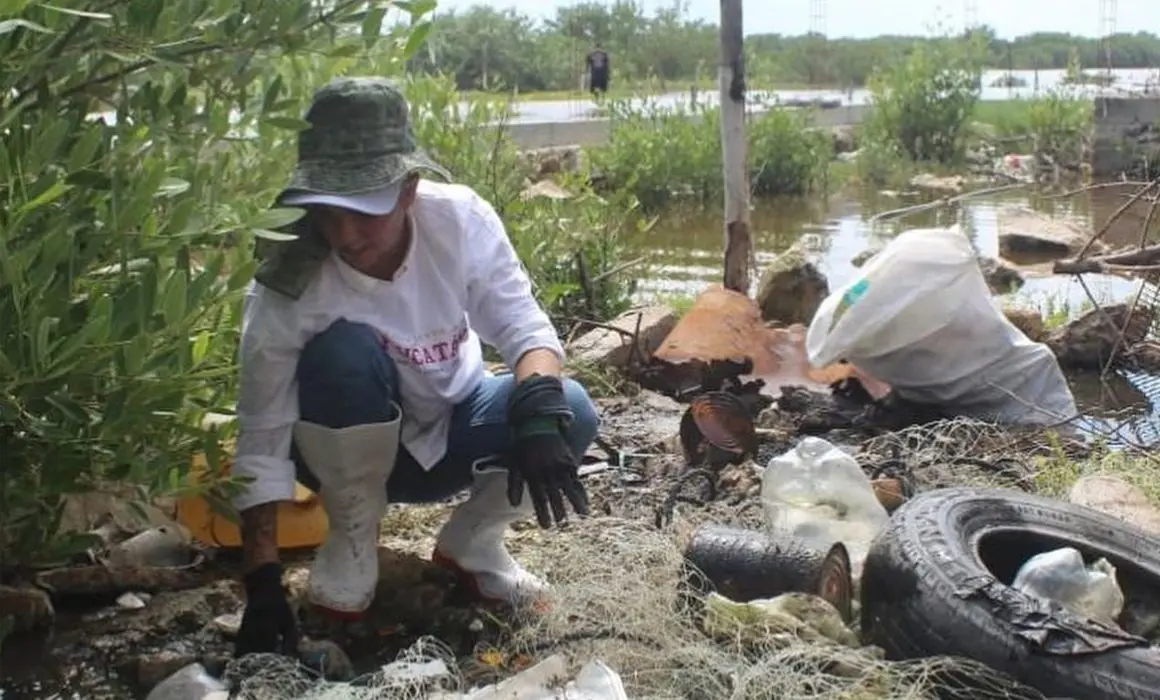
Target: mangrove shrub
143,142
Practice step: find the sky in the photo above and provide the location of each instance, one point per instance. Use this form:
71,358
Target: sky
863,18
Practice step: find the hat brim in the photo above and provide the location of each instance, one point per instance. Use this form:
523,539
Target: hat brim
377,203
355,177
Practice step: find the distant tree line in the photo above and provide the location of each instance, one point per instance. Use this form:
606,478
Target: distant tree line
486,48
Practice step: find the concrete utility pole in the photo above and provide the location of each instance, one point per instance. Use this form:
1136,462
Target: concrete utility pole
734,149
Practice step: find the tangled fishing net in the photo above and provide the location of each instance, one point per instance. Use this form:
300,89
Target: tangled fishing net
617,598
964,452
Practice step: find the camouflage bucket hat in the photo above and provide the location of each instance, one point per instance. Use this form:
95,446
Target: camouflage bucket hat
360,140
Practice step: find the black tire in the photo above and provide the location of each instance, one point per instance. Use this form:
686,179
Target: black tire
927,592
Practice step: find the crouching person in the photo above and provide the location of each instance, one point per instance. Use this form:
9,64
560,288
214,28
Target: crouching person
362,372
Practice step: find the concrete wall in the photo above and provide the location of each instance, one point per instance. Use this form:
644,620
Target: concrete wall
1127,132
595,132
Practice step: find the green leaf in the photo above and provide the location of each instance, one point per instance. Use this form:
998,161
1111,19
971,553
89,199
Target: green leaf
43,334
241,274
95,330
288,123
85,148
116,268
172,186
271,96
372,24
274,235
10,25
276,217
49,196
200,347
78,13
418,35
173,304
69,408
12,7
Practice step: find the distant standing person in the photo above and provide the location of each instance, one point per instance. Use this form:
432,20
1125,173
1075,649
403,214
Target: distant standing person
598,71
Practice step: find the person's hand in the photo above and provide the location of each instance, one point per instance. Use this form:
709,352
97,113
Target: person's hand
542,461
268,624
547,467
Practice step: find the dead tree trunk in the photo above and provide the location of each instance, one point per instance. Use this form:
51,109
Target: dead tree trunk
731,77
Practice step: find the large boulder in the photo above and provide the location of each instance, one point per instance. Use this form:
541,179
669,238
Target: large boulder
613,348
792,288
1026,235
1089,341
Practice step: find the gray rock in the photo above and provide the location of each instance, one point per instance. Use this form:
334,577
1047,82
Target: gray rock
792,288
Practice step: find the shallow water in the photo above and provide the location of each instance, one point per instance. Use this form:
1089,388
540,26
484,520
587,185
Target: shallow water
684,250
1128,81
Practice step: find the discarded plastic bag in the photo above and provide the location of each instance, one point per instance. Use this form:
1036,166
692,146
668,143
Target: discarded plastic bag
595,681
1060,576
818,493
806,617
192,682
921,319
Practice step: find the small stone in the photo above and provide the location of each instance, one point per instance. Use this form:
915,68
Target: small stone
130,601
326,658
864,257
228,624
1117,498
476,625
1002,276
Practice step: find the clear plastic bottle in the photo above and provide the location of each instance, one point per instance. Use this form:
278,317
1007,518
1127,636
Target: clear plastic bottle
190,683
818,493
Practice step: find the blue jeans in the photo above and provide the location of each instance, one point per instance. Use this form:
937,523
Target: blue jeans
346,378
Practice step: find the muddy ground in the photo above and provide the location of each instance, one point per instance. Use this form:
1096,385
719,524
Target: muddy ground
103,649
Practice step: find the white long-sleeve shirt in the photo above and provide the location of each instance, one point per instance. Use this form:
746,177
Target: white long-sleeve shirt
460,282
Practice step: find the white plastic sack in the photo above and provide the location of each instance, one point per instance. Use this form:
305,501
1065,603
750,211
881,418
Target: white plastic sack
921,318
1060,576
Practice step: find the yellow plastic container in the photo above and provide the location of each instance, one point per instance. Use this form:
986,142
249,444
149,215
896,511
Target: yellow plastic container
302,522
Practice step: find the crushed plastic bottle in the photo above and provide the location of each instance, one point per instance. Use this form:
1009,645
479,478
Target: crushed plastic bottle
818,493
1060,576
192,682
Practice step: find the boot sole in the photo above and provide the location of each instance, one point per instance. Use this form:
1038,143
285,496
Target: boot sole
540,605
337,615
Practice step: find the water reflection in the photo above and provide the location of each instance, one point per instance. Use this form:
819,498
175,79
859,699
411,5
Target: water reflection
1128,81
685,248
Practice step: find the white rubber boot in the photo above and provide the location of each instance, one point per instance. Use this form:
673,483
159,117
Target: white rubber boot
471,544
352,465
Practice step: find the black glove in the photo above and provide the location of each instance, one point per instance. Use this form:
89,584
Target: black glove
538,412
268,624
